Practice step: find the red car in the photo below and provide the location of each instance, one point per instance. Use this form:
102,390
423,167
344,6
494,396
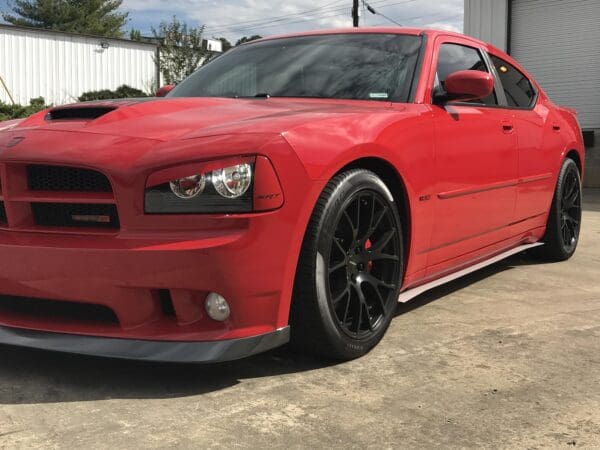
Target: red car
294,189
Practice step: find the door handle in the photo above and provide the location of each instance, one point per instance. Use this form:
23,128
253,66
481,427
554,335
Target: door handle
507,127
556,127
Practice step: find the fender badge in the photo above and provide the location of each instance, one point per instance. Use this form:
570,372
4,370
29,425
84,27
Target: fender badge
15,141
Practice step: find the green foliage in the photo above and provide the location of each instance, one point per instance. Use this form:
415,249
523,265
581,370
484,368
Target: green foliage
181,50
226,44
248,39
135,35
97,17
106,94
9,112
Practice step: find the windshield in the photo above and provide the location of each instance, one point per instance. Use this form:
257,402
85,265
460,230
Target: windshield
341,66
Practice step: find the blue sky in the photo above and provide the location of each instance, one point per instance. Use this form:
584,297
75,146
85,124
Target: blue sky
236,18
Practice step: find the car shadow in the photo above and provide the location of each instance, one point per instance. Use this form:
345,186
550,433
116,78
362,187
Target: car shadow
523,259
32,377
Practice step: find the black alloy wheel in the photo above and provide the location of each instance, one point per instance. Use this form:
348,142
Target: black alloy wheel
364,258
570,209
564,219
350,268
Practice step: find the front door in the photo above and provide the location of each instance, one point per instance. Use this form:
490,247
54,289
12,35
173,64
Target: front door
476,166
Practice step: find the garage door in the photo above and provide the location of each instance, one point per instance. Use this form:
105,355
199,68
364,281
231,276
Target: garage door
558,42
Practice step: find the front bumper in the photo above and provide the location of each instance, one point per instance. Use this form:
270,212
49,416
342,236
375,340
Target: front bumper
148,277
156,351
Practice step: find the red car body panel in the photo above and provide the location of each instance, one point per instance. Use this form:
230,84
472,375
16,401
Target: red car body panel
476,181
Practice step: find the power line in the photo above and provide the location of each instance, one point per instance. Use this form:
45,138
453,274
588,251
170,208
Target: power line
277,18
285,20
375,12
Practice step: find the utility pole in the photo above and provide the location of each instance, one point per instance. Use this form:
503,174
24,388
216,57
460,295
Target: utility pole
355,13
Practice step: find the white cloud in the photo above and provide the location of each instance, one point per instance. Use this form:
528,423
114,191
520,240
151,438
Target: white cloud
236,18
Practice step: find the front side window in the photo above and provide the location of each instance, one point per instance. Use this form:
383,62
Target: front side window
453,58
340,66
517,87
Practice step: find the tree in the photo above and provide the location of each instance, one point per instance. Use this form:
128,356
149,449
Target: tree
135,35
248,39
98,17
226,44
181,50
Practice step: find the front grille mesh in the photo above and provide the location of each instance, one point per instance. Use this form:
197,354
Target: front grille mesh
70,179
75,215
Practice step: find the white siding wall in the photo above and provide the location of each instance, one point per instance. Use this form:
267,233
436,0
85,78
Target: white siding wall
558,42
487,20
60,67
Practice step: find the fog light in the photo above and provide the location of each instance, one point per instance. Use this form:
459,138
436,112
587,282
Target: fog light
217,307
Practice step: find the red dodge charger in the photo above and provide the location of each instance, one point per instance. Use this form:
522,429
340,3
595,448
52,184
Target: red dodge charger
294,189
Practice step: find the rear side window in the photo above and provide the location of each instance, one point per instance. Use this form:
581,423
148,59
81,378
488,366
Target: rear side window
517,87
454,57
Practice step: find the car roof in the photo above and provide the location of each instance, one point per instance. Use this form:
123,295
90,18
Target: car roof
379,30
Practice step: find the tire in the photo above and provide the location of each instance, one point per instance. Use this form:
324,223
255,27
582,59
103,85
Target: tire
350,269
564,220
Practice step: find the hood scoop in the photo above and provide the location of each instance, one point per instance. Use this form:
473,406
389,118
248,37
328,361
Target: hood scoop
79,112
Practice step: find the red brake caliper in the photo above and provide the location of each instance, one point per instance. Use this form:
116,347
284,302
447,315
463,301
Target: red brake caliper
368,246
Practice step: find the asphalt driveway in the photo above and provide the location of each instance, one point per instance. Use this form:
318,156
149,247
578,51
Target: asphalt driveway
507,357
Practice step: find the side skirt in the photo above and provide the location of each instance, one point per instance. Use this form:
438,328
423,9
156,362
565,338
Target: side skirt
414,292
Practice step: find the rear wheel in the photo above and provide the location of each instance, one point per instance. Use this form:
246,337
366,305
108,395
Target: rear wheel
564,221
350,267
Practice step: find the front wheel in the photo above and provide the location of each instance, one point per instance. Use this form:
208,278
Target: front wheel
564,220
350,269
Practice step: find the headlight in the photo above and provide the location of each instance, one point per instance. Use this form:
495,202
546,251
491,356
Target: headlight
188,187
234,181
231,185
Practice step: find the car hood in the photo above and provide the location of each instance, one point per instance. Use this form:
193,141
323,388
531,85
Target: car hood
187,118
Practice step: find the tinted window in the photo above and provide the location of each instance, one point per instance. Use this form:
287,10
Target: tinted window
345,66
454,57
517,87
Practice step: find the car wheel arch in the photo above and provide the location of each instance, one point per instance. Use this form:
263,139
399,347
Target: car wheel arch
574,155
392,178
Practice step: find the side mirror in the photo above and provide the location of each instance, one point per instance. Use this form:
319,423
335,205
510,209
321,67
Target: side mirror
163,91
467,85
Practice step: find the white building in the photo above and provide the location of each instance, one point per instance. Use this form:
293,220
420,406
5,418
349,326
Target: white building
557,41
61,66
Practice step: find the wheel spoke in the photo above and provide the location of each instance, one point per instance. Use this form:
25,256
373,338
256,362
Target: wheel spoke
339,246
381,244
337,267
369,318
376,282
341,295
384,256
354,229
373,227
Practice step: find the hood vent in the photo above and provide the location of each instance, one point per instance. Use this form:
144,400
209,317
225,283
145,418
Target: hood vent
79,113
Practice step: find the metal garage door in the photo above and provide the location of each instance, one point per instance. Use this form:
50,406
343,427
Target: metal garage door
558,42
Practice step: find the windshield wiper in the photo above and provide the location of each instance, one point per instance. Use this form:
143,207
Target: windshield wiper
259,95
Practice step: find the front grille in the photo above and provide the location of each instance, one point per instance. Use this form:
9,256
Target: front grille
71,179
56,309
2,213
75,215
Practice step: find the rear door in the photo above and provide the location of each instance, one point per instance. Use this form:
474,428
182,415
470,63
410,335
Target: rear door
539,141
476,163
